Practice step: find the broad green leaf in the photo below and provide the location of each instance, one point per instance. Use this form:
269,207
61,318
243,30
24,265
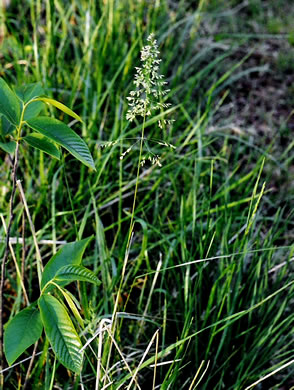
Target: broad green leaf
27,93
61,107
9,103
8,147
61,333
39,141
72,273
63,135
69,254
21,332
32,110
5,126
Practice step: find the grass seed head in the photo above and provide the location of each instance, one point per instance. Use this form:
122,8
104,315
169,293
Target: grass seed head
149,84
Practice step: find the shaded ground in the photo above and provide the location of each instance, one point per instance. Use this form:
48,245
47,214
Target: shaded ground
262,100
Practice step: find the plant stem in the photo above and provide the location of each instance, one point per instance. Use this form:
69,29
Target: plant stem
130,235
38,253
10,221
137,183
3,265
133,211
27,378
132,216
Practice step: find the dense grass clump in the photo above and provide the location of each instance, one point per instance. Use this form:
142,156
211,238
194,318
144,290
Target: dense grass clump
191,206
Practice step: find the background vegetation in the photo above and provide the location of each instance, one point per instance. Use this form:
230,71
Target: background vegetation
211,259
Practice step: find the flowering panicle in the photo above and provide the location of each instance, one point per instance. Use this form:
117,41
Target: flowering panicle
108,144
155,160
149,85
148,97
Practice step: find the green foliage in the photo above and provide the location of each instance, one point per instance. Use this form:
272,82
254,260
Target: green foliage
8,147
30,92
69,254
21,332
61,333
291,38
42,143
59,105
9,104
23,108
26,327
70,273
5,126
64,136
210,263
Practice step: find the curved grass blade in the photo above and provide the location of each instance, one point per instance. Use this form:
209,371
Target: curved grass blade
63,135
39,141
61,333
71,273
9,103
21,332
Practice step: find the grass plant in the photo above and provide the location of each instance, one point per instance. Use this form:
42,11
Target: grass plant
196,255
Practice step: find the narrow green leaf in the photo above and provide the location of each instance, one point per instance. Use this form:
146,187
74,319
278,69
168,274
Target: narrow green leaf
72,273
41,142
21,332
8,147
27,93
69,254
61,333
74,299
9,103
61,107
63,135
71,303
